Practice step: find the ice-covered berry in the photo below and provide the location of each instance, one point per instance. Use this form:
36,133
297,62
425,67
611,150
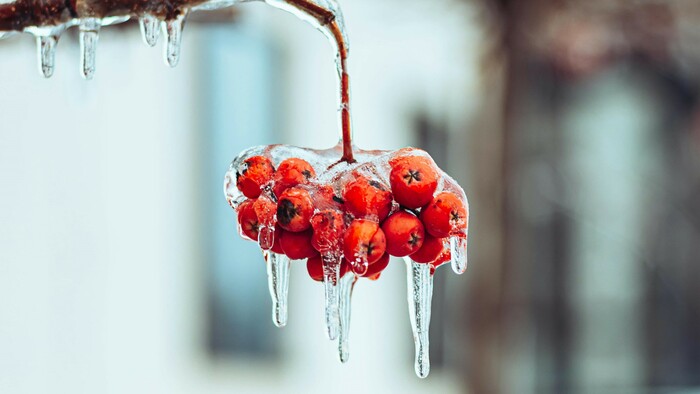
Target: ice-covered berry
290,173
366,198
404,234
445,215
253,175
364,244
294,210
414,180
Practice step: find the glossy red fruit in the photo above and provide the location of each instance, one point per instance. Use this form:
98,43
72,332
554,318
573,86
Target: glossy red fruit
254,174
414,180
446,215
248,221
290,173
376,268
276,246
297,246
404,234
329,227
364,243
431,249
265,210
314,266
294,210
366,198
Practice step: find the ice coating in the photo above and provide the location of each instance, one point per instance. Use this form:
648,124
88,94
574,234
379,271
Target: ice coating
420,296
330,172
38,17
331,274
278,279
347,284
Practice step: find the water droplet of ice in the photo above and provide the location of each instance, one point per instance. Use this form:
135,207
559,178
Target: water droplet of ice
150,29
89,35
331,273
420,296
173,29
347,284
278,281
458,249
46,46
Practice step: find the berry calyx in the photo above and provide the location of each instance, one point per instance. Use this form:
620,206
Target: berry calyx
430,251
253,175
404,234
446,215
414,180
364,244
294,210
366,198
290,173
297,246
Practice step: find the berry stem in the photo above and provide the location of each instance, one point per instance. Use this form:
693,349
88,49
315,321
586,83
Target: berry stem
329,19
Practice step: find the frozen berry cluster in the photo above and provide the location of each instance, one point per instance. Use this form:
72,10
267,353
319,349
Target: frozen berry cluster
388,204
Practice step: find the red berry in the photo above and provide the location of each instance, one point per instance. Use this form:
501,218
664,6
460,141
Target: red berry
364,244
329,226
431,249
446,215
248,221
265,210
365,198
315,267
253,174
294,210
376,268
414,180
404,234
297,246
290,173
276,247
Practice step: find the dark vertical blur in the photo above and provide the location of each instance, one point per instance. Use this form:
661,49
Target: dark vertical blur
587,181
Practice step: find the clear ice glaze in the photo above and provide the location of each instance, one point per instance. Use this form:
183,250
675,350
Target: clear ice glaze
332,171
48,19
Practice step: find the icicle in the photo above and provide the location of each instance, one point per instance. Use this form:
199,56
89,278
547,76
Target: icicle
420,296
46,46
150,29
331,274
173,29
458,249
278,281
347,284
89,34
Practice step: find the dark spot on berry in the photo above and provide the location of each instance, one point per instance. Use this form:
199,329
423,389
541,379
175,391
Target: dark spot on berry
376,185
338,200
414,240
454,216
307,174
286,212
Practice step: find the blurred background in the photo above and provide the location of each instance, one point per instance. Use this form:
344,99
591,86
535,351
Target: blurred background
573,125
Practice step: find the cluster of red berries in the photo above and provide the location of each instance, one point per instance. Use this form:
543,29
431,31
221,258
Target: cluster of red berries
288,211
